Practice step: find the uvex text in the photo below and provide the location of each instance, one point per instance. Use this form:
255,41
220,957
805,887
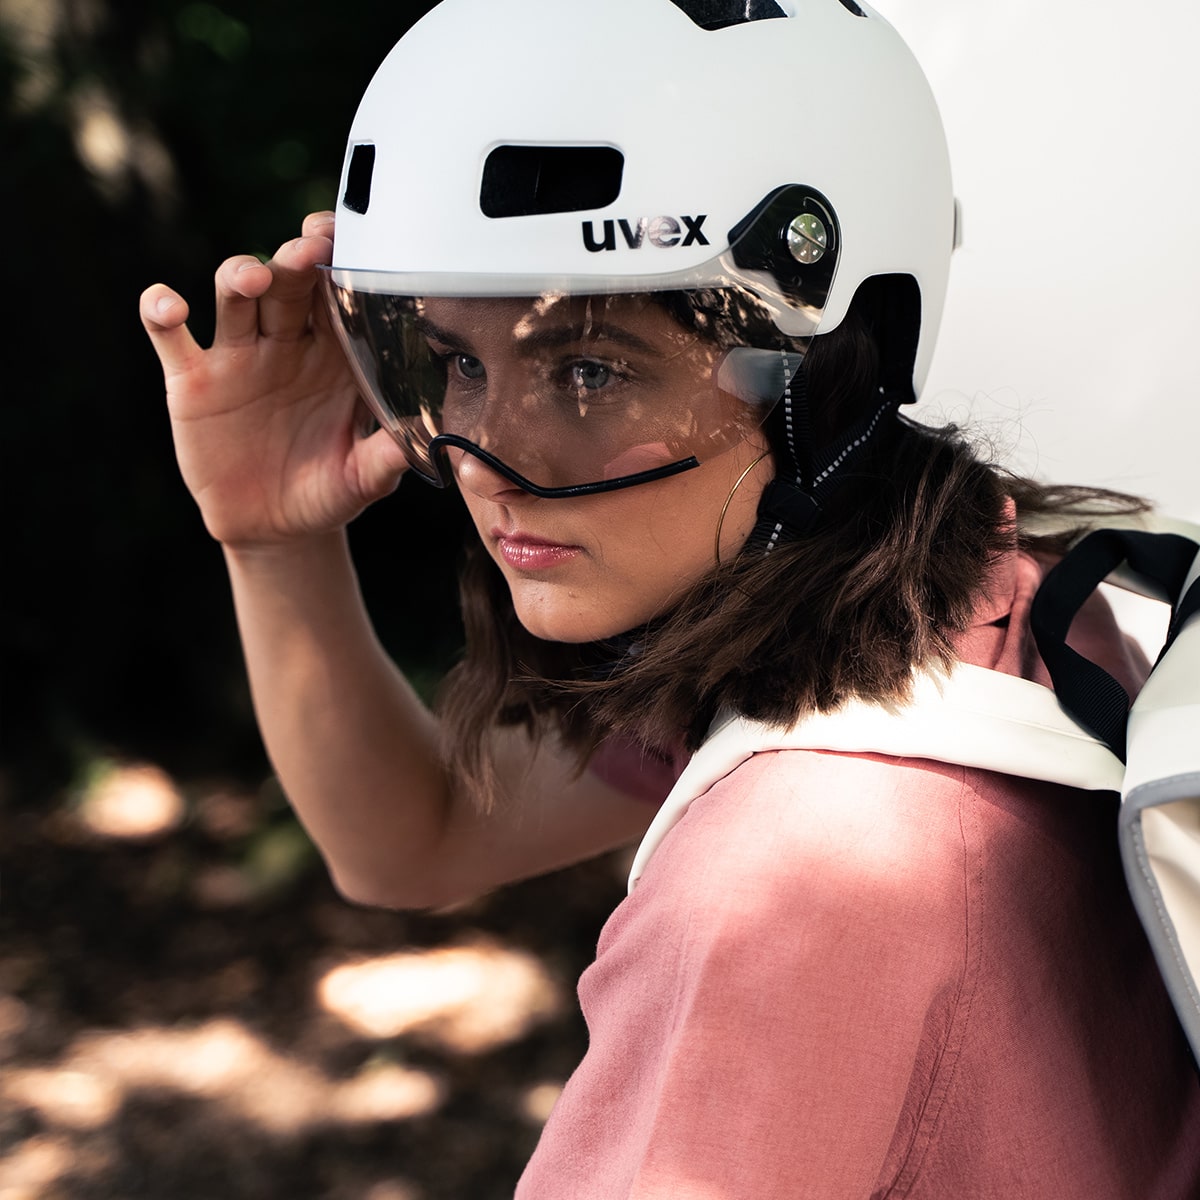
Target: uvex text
658,231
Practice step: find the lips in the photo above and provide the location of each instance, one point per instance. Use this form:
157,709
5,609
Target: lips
526,553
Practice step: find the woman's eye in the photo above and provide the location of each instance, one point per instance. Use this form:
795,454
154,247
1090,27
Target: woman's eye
468,367
590,375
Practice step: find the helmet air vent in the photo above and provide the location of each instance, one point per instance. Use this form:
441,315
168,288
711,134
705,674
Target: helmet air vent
850,6
719,14
526,181
358,177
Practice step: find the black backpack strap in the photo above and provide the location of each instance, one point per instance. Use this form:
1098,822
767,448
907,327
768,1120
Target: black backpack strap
1088,693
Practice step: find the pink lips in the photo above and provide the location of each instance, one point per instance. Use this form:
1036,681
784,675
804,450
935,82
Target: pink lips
526,553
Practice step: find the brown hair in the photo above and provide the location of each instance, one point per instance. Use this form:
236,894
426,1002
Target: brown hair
851,610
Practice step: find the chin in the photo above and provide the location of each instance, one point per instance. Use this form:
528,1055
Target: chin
554,623
573,632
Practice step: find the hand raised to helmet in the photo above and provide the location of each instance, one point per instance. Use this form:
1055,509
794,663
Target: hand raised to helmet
266,420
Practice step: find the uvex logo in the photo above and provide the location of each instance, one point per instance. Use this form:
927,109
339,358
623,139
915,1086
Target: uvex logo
658,231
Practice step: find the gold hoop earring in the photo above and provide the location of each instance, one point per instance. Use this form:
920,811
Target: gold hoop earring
729,501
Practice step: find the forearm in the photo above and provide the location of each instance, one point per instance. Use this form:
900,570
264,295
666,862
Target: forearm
354,747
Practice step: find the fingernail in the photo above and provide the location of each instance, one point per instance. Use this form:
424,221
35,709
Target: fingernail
248,266
165,304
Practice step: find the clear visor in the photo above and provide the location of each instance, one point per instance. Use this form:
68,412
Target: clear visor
564,394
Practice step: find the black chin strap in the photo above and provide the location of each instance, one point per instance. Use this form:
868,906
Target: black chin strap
793,502
1087,693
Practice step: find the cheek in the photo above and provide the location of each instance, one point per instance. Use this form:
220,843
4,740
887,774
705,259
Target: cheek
672,530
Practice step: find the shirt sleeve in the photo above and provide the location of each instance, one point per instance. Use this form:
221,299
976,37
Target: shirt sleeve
774,1011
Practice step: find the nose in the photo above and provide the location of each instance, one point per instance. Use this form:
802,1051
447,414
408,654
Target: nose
475,476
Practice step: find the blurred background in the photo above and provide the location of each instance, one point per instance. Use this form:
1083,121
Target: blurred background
186,1008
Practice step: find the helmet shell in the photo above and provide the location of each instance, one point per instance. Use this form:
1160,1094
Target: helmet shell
709,122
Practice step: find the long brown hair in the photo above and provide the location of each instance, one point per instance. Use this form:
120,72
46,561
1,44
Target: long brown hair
851,610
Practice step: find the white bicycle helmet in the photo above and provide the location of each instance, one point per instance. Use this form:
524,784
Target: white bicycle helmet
558,197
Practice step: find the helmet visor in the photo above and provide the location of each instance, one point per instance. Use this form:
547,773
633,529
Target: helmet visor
563,394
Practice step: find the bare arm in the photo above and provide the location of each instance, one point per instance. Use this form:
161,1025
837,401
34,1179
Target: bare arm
357,751
264,426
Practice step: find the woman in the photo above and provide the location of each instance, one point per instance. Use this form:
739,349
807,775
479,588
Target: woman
654,314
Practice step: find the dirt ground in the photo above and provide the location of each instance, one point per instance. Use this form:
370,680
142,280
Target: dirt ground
190,1012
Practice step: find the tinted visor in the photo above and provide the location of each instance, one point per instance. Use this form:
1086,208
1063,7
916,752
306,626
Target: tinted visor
563,394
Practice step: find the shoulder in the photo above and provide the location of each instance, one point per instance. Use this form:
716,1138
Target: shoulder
801,837
827,807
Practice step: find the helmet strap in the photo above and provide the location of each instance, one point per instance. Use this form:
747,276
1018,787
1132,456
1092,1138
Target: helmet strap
794,502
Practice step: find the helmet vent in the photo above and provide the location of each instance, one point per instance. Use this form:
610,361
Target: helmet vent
720,14
358,178
850,6
526,181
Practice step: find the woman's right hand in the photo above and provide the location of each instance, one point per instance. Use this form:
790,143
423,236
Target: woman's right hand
266,420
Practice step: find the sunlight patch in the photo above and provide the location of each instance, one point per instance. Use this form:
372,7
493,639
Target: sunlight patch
131,802
220,1061
392,1189
538,1101
468,999
71,1099
32,1167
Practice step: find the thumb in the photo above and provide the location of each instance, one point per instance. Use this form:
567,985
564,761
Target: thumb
378,462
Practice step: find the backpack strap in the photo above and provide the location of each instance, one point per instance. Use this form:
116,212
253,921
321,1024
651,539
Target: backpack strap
1158,736
971,717
1084,689
1094,739
1159,827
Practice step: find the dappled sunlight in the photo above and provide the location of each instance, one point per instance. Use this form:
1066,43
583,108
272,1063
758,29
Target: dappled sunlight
104,143
31,1168
153,1027
131,802
466,999
392,1190
114,149
165,1014
218,1061
67,1099
538,1101
385,1092
164,918
33,25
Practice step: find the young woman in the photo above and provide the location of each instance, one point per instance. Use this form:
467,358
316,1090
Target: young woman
648,283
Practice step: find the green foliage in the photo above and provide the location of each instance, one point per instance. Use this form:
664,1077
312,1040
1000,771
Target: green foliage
225,36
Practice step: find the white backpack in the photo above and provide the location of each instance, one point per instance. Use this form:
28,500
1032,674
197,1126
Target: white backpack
1149,752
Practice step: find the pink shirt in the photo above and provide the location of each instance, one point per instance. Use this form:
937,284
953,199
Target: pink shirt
861,976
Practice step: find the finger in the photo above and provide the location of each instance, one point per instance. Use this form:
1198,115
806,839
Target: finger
164,314
318,224
285,309
378,463
240,282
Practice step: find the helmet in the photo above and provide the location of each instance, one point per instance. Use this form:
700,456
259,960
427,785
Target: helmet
742,166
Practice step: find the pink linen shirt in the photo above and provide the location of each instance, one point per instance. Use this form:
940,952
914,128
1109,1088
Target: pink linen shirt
863,976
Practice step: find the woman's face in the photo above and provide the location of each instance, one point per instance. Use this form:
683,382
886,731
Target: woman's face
559,389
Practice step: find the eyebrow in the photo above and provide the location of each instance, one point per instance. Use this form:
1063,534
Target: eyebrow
547,339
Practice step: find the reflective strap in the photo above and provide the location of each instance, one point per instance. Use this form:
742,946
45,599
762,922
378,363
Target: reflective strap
1160,812
1160,850
793,502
